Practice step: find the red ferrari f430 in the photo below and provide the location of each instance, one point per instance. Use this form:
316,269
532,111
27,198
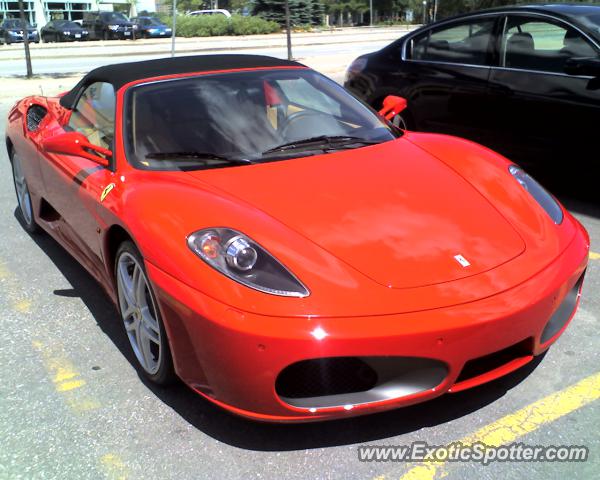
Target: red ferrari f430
285,250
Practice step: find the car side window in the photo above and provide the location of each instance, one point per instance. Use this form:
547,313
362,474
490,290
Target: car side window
466,43
94,114
534,44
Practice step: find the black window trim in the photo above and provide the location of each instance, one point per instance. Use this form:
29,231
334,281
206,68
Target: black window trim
553,19
495,16
502,18
112,161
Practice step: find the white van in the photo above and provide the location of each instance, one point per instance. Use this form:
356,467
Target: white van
216,11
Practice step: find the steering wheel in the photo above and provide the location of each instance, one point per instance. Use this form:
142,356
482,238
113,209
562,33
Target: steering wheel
301,115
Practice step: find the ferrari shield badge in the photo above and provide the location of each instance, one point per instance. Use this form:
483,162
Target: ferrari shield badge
462,260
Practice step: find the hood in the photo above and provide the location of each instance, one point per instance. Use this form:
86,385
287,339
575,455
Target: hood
391,211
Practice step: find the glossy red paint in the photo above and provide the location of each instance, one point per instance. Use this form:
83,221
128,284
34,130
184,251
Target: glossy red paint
392,106
372,233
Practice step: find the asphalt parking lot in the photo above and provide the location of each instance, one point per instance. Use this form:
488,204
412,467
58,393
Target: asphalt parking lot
73,407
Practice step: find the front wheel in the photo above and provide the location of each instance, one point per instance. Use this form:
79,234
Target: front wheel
141,316
23,195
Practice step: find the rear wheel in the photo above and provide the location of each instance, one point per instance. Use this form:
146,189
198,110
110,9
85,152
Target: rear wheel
23,195
141,316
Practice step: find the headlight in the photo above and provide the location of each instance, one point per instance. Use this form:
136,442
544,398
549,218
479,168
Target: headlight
355,67
243,260
84,32
538,192
113,27
10,32
152,30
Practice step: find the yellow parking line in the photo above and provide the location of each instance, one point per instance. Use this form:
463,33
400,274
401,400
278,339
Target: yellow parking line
594,256
23,306
65,377
114,466
524,421
4,273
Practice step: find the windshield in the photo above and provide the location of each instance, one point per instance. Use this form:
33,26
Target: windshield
17,24
114,17
230,119
155,21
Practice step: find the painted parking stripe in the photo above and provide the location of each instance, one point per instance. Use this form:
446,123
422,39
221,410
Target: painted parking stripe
114,467
65,377
594,256
514,426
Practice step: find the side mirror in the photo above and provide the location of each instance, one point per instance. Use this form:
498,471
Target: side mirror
74,143
588,66
392,106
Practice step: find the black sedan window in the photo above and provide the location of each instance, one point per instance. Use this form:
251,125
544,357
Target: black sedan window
467,43
533,44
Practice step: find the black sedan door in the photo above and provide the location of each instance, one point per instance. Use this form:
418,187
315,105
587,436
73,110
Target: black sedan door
544,118
447,70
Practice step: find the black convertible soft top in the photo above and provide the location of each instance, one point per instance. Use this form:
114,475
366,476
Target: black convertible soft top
122,73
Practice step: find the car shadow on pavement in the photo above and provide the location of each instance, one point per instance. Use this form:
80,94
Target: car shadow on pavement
241,433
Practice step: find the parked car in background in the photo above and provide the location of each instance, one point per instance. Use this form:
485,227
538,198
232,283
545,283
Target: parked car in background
108,26
62,31
524,81
150,27
12,31
215,11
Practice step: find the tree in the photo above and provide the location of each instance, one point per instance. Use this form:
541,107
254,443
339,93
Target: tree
301,11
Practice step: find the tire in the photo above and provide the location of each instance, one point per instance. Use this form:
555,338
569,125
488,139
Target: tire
7,40
141,317
56,38
105,35
26,210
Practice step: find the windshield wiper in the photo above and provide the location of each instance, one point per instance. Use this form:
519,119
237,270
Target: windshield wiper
329,141
196,156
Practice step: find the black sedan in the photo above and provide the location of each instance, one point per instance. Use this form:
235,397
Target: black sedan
63,31
13,30
524,81
150,27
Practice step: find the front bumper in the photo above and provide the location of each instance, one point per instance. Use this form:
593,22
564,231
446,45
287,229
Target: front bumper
74,37
123,33
235,358
158,34
19,37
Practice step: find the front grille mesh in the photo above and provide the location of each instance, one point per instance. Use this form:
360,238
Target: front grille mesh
325,376
35,115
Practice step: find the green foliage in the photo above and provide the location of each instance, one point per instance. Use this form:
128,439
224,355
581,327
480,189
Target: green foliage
302,12
219,25
252,26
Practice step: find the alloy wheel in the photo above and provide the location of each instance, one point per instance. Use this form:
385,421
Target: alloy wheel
139,313
23,196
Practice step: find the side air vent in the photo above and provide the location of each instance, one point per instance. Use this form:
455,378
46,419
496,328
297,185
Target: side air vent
35,115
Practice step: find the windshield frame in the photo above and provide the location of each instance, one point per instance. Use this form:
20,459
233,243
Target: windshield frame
127,127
